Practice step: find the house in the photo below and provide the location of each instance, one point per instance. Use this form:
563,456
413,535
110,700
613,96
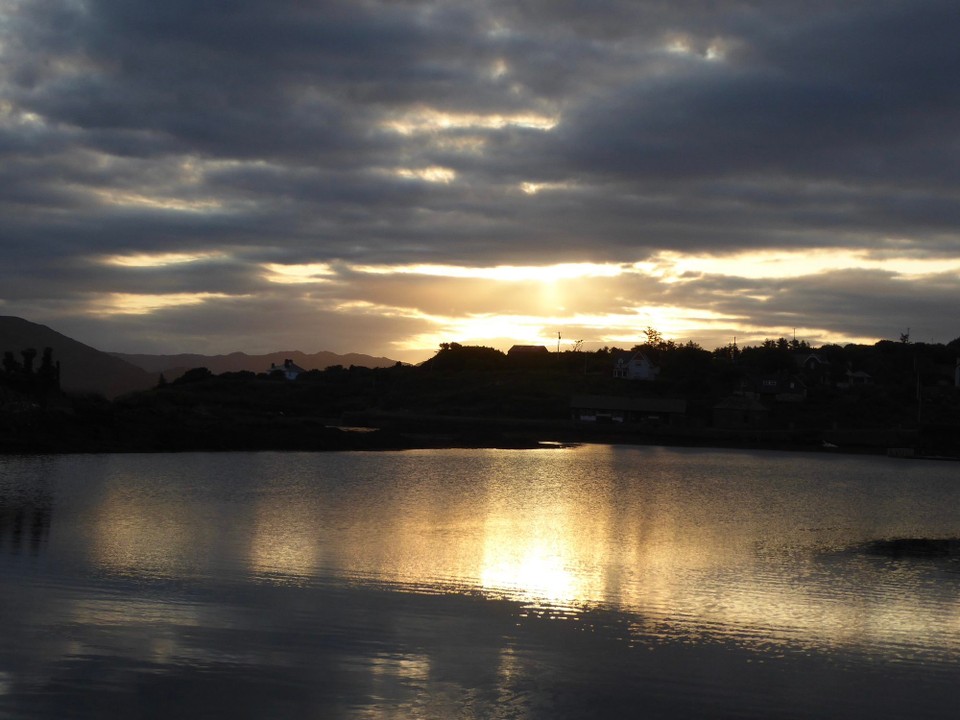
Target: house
854,378
634,366
811,362
614,409
815,368
945,374
527,351
289,369
782,388
527,356
859,377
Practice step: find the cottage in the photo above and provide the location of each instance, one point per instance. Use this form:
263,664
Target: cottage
815,368
634,366
781,388
289,369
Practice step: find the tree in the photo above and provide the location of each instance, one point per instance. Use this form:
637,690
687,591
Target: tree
28,356
49,373
654,338
197,374
10,364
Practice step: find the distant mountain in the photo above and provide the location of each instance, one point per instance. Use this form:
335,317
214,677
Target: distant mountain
83,369
172,366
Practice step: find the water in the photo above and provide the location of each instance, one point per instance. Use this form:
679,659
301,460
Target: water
580,582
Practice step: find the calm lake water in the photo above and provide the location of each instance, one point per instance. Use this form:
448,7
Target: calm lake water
559,583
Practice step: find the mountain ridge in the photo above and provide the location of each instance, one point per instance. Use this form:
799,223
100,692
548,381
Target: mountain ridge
172,366
83,369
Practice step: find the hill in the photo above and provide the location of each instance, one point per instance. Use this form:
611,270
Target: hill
172,366
83,369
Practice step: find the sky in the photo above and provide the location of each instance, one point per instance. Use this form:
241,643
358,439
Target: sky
383,176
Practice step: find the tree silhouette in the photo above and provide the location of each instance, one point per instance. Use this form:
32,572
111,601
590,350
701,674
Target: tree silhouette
28,356
49,373
10,364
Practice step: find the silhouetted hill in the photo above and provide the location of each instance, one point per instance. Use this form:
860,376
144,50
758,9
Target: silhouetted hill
83,369
172,366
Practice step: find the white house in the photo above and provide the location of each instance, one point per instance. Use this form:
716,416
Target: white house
634,366
289,369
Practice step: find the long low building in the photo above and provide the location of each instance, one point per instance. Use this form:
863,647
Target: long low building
614,409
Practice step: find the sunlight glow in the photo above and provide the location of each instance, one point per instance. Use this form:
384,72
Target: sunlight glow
148,260
673,267
433,174
775,264
610,328
299,274
506,273
532,188
499,68
10,115
601,303
368,308
128,199
528,304
542,549
679,46
714,51
133,304
429,120
281,544
131,532
536,574
558,533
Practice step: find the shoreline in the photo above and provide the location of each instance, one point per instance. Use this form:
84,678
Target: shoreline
372,431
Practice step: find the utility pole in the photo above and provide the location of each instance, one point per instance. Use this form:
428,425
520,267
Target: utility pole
558,343
916,367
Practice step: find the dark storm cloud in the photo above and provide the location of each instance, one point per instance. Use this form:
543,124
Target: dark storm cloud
303,132
863,94
294,80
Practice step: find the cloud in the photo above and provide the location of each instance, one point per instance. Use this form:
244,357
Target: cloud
474,136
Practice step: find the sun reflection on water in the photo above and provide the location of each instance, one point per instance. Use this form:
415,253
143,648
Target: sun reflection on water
687,552
281,545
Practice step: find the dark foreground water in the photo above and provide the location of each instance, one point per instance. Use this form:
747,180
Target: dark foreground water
560,583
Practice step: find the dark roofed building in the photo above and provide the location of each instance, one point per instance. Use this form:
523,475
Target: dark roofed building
740,411
611,408
528,356
527,350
